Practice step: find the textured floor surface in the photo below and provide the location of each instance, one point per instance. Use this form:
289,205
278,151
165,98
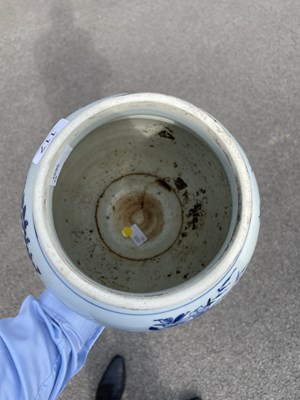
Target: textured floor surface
238,60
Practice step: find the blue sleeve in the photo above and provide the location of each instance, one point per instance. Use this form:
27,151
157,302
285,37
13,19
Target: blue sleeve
42,348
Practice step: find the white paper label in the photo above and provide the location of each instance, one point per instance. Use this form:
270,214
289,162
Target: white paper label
60,164
52,134
137,235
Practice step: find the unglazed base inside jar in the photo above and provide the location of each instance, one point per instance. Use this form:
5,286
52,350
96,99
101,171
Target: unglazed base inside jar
148,172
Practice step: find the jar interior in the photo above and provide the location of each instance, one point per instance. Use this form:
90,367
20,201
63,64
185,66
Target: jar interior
142,204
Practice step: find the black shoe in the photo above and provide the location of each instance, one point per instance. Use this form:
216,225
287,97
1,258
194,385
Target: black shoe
112,383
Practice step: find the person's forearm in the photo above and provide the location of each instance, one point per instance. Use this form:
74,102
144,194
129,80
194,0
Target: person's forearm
42,348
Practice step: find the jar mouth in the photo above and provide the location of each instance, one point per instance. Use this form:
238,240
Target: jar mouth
153,162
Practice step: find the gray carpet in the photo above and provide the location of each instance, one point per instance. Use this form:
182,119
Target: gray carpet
238,60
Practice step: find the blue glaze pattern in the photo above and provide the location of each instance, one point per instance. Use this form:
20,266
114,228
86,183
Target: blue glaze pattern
24,225
170,322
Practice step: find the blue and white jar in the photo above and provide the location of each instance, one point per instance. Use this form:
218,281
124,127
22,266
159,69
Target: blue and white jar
140,211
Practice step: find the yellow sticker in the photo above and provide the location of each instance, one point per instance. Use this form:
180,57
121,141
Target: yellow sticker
126,231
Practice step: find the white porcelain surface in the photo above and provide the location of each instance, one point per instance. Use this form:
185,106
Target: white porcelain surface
165,165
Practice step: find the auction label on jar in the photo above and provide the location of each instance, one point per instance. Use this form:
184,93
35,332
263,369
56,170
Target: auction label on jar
60,164
137,235
52,134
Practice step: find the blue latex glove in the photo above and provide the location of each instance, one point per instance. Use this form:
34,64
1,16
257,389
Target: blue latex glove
42,348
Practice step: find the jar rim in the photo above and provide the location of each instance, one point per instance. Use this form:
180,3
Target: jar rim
105,110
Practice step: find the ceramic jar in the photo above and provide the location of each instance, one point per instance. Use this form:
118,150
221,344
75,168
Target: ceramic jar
140,211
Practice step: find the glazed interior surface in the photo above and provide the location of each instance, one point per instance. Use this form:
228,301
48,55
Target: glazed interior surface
149,173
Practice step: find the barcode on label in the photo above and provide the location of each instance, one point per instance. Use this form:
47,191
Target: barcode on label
137,239
137,235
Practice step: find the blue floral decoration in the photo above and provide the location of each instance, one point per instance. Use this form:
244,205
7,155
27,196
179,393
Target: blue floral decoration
170,322
24,225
